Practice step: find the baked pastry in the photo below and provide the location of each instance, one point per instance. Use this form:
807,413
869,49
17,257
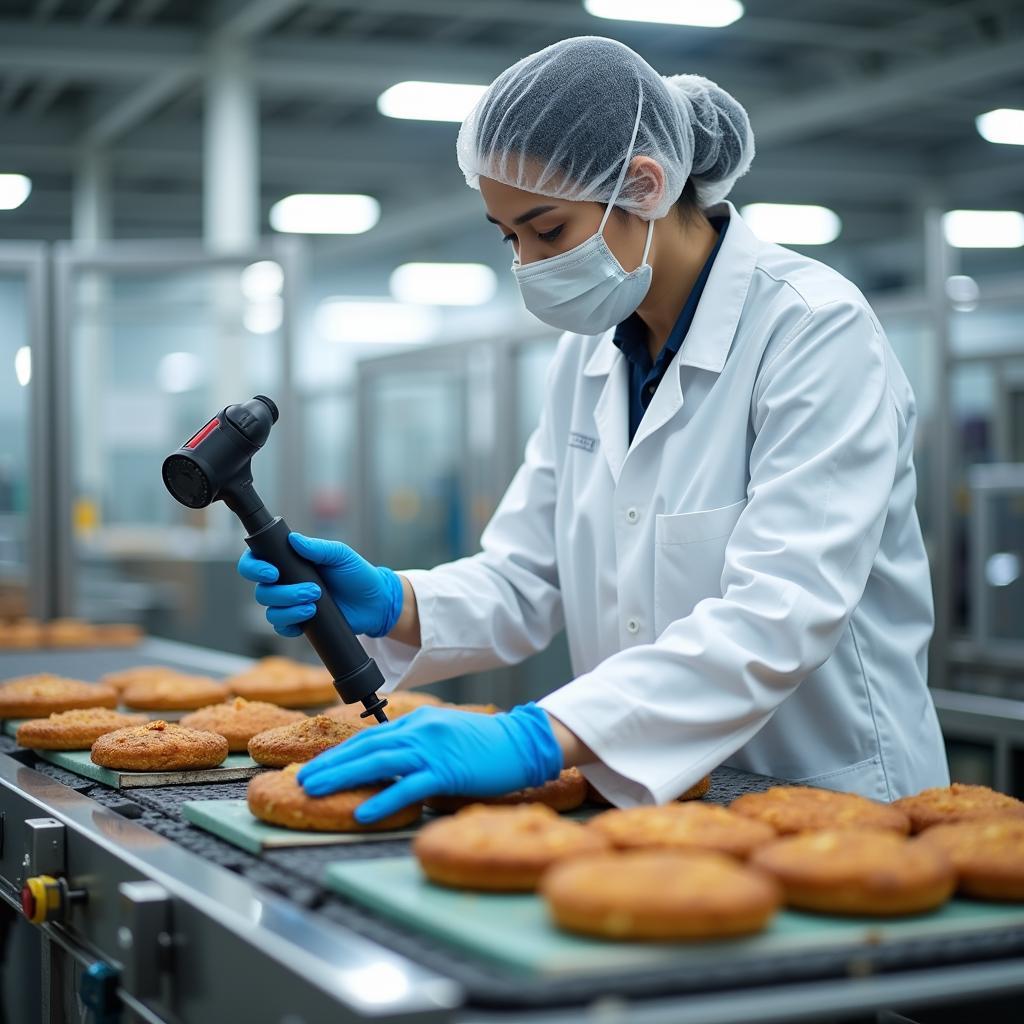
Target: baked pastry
659,894
277,798
501,849
399,705
480,709
875,872
159,746
299,741
691,826
38,695
697,791
69,633
174,691
22,634
791,809
123,678
286,683
565,793
988,856
117,634
238,720
73,730
944,805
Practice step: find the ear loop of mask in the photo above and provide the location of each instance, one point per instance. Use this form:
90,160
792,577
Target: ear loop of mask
622,178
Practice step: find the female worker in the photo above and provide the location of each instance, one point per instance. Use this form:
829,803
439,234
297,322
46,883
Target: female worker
717,503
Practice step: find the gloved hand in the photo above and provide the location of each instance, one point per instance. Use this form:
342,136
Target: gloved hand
439,750
370,596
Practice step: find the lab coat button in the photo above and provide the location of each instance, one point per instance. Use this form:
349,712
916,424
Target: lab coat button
632,626
632,515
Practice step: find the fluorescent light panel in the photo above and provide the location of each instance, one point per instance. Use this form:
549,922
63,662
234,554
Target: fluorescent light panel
262,280
325,214
792,224
697,13
984,229
14,190
443,284
23,365
1005,126
429,101
376,321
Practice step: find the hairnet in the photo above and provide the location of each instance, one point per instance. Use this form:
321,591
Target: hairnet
559,123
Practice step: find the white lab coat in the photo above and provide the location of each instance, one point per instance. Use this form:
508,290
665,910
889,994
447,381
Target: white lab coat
744,583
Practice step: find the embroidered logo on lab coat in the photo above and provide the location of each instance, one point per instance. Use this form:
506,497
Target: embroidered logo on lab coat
588,444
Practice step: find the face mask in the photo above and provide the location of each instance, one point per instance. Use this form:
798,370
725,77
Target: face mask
585,290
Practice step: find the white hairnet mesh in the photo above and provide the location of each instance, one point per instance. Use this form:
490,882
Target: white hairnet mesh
559,122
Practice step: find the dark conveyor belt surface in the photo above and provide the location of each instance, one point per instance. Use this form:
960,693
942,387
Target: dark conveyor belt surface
295,873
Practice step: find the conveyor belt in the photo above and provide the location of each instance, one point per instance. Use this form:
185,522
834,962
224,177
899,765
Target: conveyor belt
293,873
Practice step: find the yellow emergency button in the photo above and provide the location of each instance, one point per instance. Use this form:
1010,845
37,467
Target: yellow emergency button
41,898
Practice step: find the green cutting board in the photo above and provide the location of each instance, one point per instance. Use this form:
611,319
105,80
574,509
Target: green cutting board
514,930
232,820
235,766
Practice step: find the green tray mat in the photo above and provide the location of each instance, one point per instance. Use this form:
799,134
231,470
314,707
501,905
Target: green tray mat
232,820
514,930
235,766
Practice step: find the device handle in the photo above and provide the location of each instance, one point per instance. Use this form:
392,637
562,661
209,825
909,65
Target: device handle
356,675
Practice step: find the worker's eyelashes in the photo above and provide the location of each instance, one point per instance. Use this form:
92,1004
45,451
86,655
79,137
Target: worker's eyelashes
544,236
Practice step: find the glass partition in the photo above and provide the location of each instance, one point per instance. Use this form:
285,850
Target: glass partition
152,348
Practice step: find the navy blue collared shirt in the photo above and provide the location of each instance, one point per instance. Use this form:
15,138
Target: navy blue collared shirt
631,339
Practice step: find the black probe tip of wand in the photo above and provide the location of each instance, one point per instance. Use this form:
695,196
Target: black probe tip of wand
375,706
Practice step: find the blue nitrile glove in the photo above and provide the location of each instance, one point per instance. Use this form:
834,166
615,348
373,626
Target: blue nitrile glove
370,596
439,750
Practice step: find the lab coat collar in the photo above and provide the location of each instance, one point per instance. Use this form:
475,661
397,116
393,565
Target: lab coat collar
714,325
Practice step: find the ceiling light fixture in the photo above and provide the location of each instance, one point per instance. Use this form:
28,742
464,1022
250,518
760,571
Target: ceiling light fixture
1005,126
443,284
984,229
14,190
695,13
325,214
429,101
793,224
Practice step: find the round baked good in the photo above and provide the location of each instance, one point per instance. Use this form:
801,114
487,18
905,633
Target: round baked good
299,741
500,849
872,872
43,694
697,791
399,705
117,634
73,730
288,684
22,634
238,720
159,746
69,633
944,805
174,691
659,894
565,793
480,709
277,798
988,856
690,826
792,809
125,677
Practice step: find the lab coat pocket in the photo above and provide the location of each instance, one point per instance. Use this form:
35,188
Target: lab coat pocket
689,558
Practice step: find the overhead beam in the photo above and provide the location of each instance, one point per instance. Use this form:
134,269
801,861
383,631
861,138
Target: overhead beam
133,108
244,18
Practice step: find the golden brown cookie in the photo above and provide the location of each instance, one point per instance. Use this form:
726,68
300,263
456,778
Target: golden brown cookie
173,692
69,633
791,809
872,871
38,695
238,720
300,741
697,791
399,705
288,684
988,856
73,730
659,894
123,678
159,747
690,826
117,634
944,805
277,798
500,849
565,793
22,634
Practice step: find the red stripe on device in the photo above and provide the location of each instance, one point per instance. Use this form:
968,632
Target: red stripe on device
198,439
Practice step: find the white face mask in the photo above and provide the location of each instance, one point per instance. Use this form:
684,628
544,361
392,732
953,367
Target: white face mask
585,290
